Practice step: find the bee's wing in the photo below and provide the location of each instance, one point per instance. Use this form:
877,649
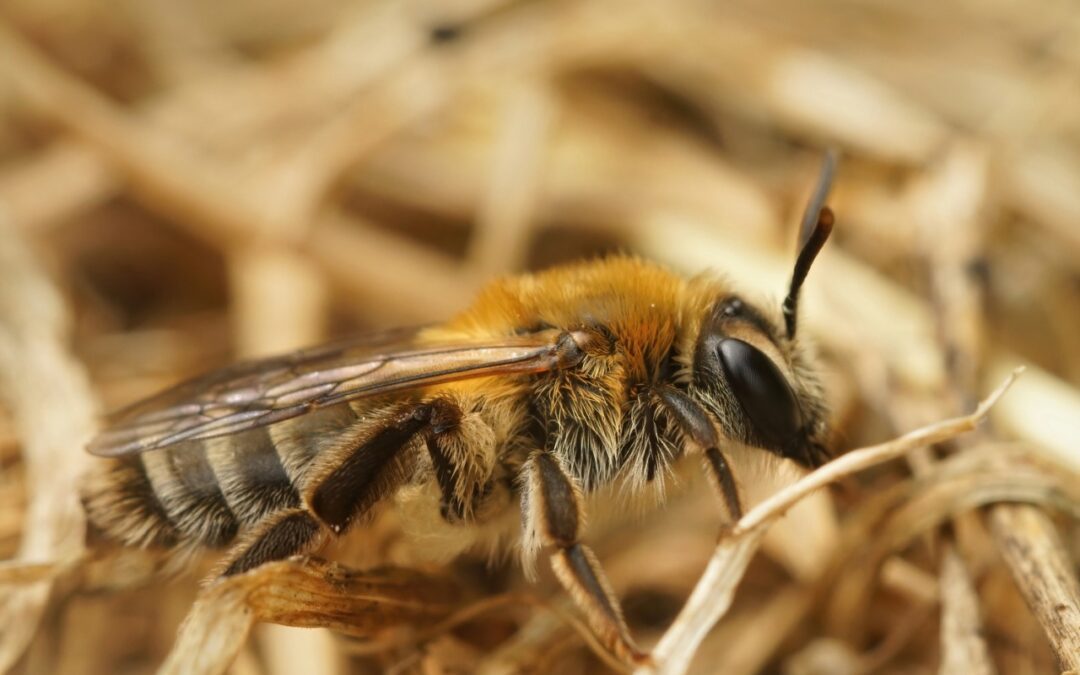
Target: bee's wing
256,393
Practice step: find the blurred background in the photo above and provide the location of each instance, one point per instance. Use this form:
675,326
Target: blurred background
183,183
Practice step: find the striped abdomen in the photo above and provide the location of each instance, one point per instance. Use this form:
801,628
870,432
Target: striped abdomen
206,492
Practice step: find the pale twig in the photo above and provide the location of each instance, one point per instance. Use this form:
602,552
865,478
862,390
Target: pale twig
1025,535
725,64
900,634
16,573
248,105
159,169
963,648
279,301
714,591
83,181
1044,182
405,283
748,645
211,197
176,42
858,460
532,641
208,197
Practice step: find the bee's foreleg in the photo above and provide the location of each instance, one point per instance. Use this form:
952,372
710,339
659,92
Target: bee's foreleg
552,516
695,423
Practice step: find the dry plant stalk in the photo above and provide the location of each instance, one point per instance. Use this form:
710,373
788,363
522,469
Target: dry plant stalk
211,198
951,202
233,145
896,518
948,204
962,644
38,379
713,594
1047,579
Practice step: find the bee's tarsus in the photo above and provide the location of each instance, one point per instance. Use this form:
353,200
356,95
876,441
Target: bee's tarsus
580,574
725,481
552,507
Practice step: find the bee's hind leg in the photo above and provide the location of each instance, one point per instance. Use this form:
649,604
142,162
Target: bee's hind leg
552,514
355,475
279,536
349,479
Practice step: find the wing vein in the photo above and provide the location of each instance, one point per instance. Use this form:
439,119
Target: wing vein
260,393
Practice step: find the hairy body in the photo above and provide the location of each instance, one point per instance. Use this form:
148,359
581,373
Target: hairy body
627,367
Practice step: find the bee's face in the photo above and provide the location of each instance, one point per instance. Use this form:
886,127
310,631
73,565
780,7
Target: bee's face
756,382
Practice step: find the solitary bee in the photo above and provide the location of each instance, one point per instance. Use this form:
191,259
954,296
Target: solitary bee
549,387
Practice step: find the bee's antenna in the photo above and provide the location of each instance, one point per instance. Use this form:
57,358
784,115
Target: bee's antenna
817,224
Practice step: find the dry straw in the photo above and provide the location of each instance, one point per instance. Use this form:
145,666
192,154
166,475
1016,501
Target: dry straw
185,183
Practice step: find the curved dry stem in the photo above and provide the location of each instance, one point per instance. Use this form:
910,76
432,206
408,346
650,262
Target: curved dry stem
864,458
712,596
934,500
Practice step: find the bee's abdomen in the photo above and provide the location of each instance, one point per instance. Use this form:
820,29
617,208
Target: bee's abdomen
206,492
188,491
250,475
121,501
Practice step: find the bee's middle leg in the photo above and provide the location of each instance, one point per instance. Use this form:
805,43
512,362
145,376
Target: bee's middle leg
552,513
462,450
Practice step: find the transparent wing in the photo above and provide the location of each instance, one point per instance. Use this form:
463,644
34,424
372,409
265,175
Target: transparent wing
256,393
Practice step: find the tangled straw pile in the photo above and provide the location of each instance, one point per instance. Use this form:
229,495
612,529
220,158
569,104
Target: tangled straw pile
184,182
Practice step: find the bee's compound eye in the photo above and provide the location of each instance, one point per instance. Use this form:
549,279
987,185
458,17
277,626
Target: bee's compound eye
763,393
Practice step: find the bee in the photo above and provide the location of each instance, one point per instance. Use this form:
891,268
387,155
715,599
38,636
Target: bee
549,387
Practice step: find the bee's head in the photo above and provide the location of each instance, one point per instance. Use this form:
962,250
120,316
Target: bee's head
749,370
757,382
